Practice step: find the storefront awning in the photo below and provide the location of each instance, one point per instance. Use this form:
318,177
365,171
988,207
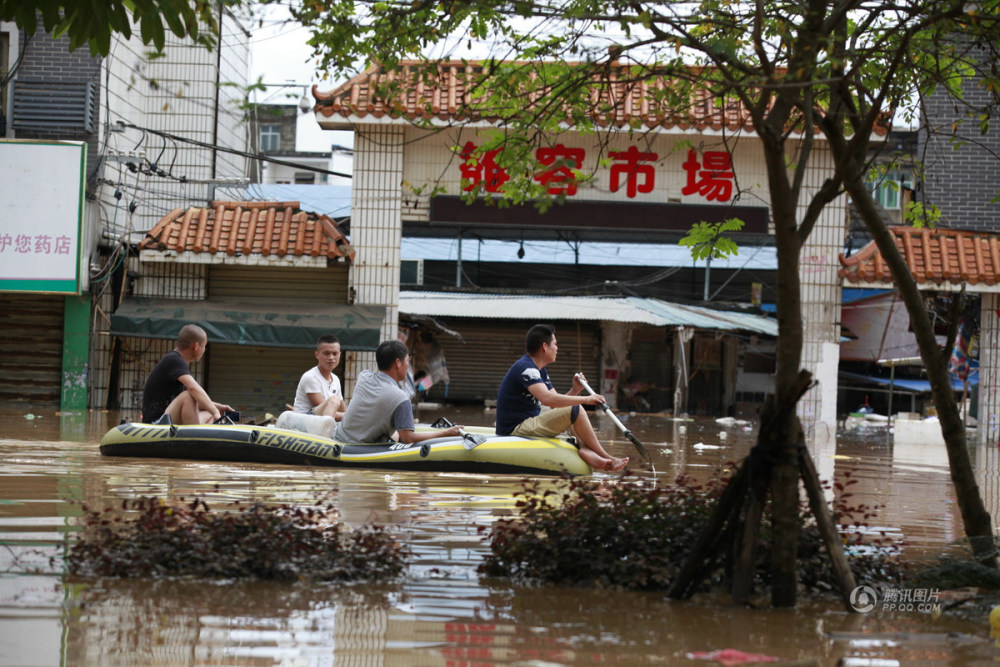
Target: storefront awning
908,385
266,324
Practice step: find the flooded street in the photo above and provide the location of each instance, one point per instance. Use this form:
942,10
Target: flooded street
442,613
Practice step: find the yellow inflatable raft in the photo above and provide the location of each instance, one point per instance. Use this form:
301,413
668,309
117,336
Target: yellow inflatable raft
480,451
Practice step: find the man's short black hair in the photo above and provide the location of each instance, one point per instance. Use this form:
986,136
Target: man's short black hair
388,352
326,338
538,334
189,335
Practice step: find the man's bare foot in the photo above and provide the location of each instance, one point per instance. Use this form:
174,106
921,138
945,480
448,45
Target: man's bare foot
615,464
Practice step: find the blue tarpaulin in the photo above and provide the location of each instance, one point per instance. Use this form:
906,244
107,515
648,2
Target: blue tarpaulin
908,384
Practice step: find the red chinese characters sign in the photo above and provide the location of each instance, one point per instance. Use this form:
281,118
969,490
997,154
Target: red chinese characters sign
558,176
483,171
711,178
632,165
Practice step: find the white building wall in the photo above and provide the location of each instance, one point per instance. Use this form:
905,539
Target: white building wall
376,232
432,163
232,122
178,93
821,292
989,369
279,173
184,92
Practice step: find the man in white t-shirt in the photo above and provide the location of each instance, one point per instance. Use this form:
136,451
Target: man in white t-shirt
319,391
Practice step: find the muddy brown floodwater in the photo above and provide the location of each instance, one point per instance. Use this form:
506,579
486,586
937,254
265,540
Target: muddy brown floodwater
443,613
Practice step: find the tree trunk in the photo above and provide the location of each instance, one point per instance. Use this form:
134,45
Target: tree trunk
778,428
975,518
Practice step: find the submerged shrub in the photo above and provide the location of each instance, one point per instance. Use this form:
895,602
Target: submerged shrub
255,540
629,535
637,536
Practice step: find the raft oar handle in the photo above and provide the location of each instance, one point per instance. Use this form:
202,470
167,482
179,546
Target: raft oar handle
641,448
472,440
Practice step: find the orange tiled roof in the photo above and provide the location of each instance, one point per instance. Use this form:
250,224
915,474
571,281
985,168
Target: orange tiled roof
935,256
248,227
443,95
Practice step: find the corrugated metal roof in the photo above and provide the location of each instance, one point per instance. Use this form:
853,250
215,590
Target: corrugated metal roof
548,308
588,252
331,200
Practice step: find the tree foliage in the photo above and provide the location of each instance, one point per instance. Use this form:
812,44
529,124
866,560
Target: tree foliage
93,23
708,240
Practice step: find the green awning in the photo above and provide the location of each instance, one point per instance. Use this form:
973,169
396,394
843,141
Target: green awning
260,324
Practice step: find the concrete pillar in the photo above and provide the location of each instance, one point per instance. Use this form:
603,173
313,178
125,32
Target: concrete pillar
614,351
821,292
376,231
988,430
76,351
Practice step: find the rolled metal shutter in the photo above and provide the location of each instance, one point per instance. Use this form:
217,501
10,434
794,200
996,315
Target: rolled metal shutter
278,283
256,380
477,366
31,342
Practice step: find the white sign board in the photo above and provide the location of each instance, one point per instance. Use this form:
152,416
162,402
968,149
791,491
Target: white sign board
41,215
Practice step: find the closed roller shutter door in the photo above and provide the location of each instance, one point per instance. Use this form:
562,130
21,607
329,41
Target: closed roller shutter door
31,331
284,284
477,366
255,380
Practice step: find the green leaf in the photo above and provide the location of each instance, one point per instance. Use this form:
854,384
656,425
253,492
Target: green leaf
707,240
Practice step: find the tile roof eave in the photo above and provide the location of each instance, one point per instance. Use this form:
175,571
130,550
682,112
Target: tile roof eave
940,259
189,257
337,121
438,89
246,232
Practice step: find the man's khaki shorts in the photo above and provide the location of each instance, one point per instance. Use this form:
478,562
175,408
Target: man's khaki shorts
548,424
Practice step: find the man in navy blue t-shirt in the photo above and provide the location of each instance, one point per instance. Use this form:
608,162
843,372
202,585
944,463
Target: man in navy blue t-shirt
526,387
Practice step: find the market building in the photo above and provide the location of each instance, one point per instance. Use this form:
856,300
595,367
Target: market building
411,166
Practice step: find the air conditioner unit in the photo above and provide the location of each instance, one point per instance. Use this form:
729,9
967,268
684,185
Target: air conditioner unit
411,272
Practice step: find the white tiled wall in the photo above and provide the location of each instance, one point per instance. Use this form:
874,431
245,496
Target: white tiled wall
989,369
376,231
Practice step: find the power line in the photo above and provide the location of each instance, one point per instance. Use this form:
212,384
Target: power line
233,151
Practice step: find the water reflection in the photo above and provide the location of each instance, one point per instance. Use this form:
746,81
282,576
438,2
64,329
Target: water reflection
442,613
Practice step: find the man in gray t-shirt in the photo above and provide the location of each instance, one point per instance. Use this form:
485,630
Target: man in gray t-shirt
379,406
